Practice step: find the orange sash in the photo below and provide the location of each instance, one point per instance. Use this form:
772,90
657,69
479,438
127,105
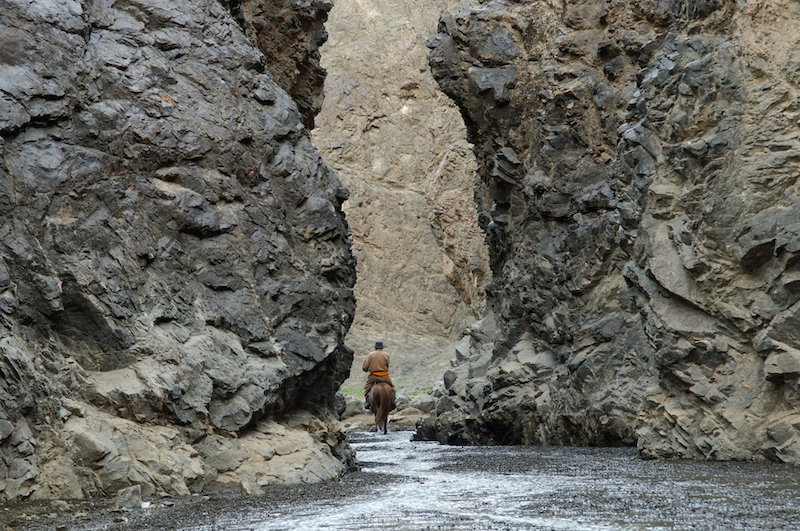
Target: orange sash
381,373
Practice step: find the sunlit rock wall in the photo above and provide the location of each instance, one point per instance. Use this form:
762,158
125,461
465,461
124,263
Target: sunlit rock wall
639,167
175,268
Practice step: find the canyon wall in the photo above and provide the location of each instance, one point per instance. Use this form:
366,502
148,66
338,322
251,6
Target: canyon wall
399,146
639,167
175,267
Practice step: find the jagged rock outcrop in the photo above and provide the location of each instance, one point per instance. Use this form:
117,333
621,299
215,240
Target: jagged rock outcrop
639,165
289,34
398,145
175,270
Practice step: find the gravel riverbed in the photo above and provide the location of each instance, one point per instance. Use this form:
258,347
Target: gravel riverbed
405,485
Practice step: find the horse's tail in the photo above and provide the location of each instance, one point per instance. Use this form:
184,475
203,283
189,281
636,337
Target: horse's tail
385,394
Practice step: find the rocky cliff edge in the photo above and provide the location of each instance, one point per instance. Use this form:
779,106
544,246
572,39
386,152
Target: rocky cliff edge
175,268
639,165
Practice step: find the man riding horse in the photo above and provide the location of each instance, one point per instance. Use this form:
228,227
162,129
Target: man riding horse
377,365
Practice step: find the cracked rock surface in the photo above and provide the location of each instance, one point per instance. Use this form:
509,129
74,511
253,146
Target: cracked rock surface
639,168
175,268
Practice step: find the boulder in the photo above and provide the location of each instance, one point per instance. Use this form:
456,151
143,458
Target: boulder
424,403
129,497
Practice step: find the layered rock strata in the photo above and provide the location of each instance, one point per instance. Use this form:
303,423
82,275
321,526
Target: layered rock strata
639,167
175,269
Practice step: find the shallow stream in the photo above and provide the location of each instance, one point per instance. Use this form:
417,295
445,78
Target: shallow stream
405,485
429,486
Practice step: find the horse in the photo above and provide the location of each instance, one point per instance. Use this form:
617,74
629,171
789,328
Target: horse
380,402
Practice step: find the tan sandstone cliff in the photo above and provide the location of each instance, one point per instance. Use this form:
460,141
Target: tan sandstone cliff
399,146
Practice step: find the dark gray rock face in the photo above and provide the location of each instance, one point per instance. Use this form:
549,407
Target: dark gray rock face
289,35
639,166
174,261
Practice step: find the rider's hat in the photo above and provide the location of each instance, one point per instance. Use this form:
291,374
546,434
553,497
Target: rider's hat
378,345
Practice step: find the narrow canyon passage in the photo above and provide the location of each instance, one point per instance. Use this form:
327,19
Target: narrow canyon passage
407,485
398,144
572,223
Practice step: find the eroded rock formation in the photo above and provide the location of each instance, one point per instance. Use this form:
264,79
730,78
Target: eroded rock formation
289,35
175,269
639,165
